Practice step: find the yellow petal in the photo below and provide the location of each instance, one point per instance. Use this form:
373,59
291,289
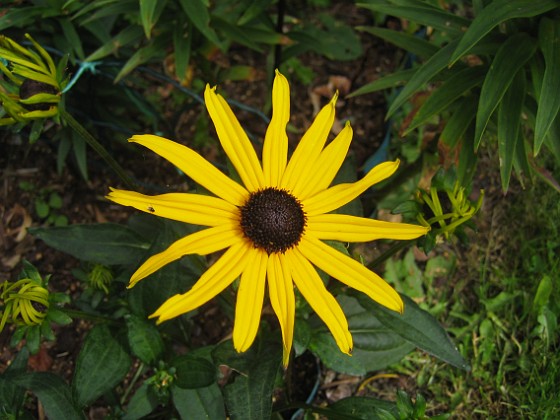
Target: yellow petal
203,242
323,303
341,227
196,209
275,148
282,299
310,146
249,304
219,276
234,140
327,165
195,167
338,195
349,272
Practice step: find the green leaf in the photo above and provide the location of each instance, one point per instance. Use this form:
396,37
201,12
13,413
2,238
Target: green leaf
460,120
64,146
197,11
142,403
410,43
193,372
11,395
200,403
419,328
364,408
53,392
58,317
147,9
101,364
422,13
182,41
459,84
375,345
494,14
249,396
398,78
104,243
435,64
127,36
155,49
509,124
549,100
71,35
144,339
80,153
41,208
236,33
511,56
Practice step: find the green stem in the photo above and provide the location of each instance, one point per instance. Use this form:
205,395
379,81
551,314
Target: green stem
98,147
73,313
389,253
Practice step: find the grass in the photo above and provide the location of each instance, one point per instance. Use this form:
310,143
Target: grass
498,299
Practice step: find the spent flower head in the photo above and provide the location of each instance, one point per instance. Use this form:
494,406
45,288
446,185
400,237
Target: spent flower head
24,302
273,225
32,83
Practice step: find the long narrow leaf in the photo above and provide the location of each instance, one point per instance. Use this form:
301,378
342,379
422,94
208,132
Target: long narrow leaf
423,75
392,80
458,123
509,123
198,14
422,13
549,100
127,36
410,43
511,56
153,50
147,9
456,86
495,13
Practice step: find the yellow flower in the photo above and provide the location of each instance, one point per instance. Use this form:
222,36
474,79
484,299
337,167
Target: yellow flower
273,227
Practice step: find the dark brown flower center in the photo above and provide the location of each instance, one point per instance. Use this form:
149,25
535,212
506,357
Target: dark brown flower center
31,87
273,220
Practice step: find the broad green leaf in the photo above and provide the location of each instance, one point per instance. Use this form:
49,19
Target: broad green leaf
182,41
549,100
398,78
11,395
435,64
105,243
147,9
53,392
71,35
364,408
142,403
193,372
112,8
375,345
460,120
411,43
155,49
422,13
511,56
419,328
197,11
253,11
101,365
459,84
200,403
509,124
249,396
127,36
495,13
144,339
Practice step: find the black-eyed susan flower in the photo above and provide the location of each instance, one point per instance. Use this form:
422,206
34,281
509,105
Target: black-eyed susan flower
273,226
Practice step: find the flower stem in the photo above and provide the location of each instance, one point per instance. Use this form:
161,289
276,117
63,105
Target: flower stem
98,147
73,313
389,253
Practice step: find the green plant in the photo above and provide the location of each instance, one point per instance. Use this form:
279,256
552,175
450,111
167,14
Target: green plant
493,76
